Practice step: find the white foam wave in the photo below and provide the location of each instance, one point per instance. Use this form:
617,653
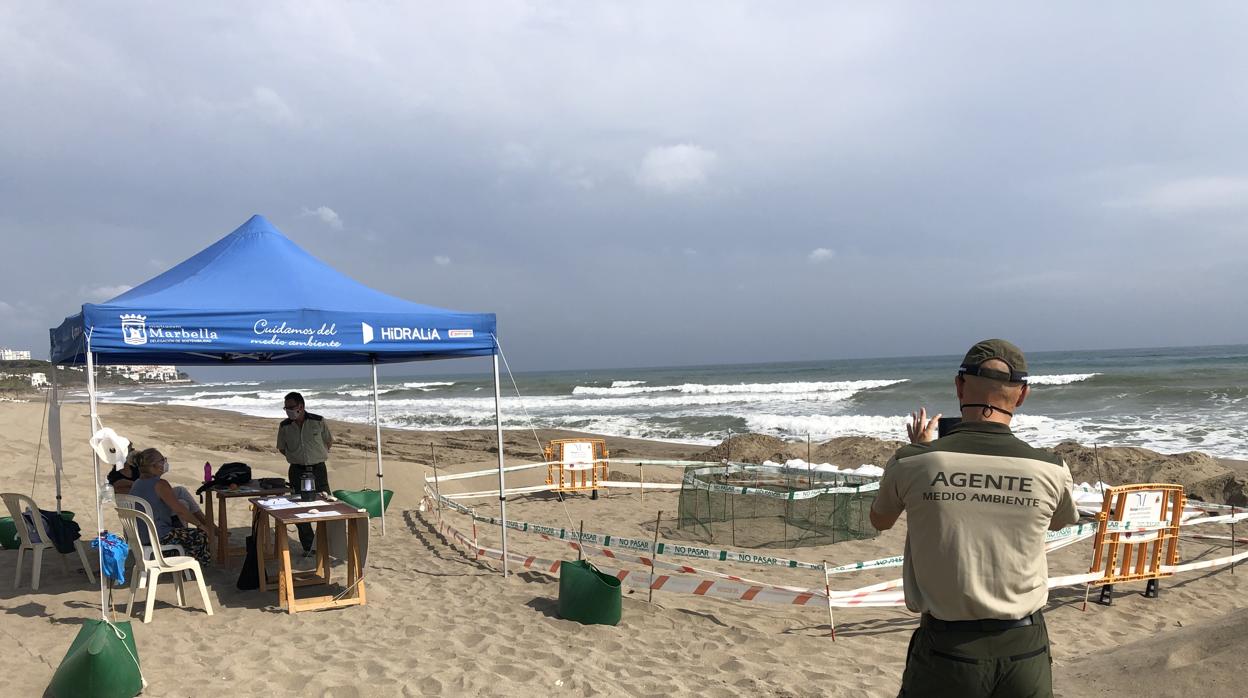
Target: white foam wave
1060,379
625,384
866,469
738,388
429,384
822,426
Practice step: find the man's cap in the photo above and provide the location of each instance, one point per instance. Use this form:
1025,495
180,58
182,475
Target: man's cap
998,349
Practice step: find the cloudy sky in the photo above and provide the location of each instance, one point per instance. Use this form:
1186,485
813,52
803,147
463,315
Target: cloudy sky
652,183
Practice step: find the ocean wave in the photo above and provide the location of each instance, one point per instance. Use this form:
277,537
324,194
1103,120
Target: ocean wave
1060,379
625,384
429,384
739,388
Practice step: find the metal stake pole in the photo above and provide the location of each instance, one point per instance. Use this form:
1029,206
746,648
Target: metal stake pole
381,481
654,556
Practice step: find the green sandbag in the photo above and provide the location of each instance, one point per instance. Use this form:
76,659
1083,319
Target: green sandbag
8,534
99,664
365,499
588,596
8,531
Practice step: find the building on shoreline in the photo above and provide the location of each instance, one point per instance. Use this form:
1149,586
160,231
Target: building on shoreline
145,373
14,354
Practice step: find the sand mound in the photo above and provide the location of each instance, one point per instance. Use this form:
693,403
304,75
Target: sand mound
844,451
1202,476
1203,659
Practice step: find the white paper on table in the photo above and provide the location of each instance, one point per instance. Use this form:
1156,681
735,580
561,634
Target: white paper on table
315,514
284,503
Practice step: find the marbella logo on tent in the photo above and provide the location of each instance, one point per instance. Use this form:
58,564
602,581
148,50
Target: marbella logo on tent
134,328
400,334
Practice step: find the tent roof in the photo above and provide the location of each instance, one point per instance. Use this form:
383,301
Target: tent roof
256,296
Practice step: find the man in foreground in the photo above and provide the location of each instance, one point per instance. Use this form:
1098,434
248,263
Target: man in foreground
979,503
305,440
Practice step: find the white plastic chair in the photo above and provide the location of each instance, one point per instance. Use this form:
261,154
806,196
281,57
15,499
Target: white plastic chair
151,563
33,534
129,501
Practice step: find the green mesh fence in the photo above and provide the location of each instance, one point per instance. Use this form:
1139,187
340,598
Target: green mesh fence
755,506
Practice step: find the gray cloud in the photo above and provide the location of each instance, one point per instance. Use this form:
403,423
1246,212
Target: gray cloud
1081,165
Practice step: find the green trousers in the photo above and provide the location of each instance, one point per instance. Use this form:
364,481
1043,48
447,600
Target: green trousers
1014,663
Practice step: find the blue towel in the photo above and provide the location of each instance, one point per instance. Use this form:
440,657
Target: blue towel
115,550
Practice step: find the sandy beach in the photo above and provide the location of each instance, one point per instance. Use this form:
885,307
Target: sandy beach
439,622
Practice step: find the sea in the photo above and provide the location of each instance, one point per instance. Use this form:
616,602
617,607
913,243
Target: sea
1169,400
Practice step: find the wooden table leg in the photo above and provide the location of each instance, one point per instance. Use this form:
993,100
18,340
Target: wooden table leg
355,573
212,522
322,550
223,532
286,578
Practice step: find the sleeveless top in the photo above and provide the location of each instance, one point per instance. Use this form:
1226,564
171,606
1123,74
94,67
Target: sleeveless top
145,488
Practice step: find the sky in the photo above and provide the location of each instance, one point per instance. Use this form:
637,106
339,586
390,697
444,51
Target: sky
641,184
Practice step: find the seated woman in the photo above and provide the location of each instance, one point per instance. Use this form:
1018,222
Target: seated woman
123,478
165,504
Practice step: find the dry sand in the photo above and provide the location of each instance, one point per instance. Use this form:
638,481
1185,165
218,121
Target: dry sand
441,623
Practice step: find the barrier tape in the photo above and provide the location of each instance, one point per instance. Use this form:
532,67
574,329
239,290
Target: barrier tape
528,466
880,595
724,589
640,545
1204,564
1054,540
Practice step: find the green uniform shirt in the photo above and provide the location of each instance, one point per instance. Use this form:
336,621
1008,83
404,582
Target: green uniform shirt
979,502
305,444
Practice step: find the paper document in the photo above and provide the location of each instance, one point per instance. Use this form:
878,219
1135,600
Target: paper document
314,514
285,503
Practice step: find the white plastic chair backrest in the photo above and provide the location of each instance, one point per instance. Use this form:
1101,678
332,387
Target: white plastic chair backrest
130,501
19,504
131,520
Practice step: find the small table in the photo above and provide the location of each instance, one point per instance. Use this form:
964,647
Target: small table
287,578
222,543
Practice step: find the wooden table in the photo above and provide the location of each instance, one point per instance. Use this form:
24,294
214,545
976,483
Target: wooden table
287,578
222,543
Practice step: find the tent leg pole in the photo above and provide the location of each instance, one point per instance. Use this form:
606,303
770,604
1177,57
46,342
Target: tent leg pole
95,459
381,483
502,485
54,450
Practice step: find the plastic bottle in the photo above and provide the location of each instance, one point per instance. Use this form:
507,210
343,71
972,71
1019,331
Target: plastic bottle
107,496
207,471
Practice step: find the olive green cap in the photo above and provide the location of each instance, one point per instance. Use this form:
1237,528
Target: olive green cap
995,349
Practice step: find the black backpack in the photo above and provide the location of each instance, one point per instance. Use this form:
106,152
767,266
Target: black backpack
228,474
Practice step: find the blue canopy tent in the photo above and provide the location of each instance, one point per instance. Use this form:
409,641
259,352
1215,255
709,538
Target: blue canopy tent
255,297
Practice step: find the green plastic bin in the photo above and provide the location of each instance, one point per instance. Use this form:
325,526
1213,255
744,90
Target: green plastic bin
366,499
99,664
588,596
8,531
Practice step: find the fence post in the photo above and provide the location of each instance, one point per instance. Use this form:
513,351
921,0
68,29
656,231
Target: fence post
827,589
654,556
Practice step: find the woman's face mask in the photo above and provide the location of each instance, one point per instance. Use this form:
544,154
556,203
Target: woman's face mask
164,468
293,413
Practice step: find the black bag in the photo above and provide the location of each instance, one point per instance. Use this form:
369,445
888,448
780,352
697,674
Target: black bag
228,474
249,575
63,533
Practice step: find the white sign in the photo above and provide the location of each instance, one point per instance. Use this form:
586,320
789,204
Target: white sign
578,455
1143,506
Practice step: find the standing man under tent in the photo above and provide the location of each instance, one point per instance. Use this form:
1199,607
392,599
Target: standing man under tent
305,440
979,503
